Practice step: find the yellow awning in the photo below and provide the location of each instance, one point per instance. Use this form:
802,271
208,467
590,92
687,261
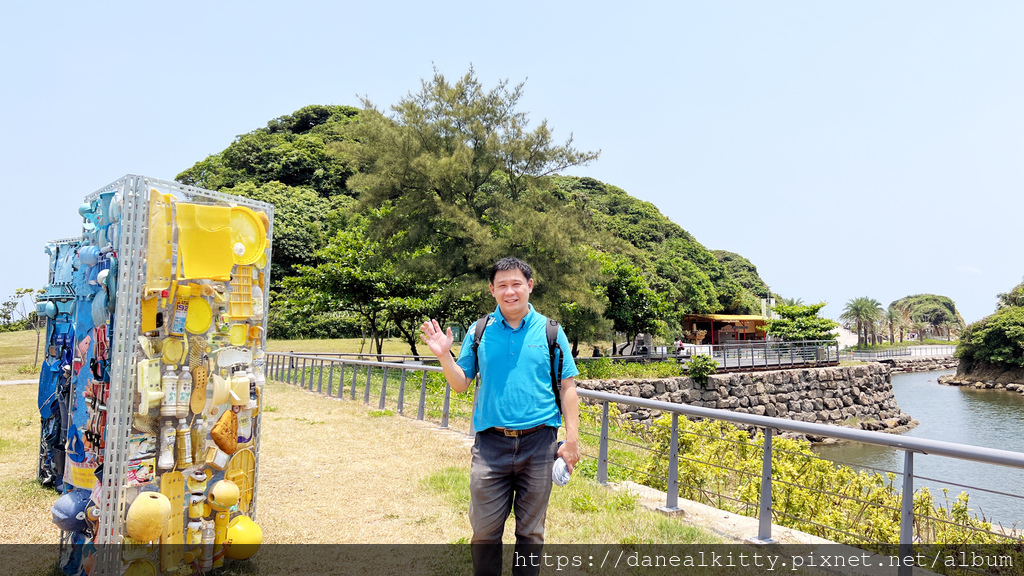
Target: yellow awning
729,317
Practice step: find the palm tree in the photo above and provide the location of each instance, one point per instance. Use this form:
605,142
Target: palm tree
864,311
893,319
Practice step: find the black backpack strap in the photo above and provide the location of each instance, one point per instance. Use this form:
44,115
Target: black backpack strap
555,351
478,333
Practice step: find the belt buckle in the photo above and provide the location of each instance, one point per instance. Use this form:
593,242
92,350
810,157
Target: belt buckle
510,433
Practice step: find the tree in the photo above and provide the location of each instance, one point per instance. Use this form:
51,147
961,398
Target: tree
864,312
996,340
800,322
893,320
1015,297
362,276
466,182
632,306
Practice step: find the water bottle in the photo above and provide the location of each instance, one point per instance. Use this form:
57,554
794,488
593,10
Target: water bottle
560,473
184,392
169,405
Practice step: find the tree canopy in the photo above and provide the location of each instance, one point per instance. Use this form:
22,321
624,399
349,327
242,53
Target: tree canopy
998,339
800,322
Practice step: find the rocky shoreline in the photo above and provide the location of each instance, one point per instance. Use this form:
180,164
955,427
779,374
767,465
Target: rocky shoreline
921,363
987,377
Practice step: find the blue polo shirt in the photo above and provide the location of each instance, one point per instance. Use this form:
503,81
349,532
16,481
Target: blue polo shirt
515,373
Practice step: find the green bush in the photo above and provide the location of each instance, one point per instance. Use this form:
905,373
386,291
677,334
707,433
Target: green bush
700,367
997,339
606,368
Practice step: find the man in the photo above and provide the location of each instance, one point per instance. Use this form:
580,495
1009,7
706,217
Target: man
516,417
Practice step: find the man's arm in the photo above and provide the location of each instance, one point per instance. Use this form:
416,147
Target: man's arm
570,450
440,343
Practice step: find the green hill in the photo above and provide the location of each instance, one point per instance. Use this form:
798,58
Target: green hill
382,220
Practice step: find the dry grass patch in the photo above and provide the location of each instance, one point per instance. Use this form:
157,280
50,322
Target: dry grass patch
333,472
24,504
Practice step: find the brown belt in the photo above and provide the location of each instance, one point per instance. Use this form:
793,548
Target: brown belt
517,433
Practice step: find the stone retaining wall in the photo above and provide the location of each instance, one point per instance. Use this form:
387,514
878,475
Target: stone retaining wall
921,363
849,395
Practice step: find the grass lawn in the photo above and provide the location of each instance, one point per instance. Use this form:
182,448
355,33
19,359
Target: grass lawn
17,352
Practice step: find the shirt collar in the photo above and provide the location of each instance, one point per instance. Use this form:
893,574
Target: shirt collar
499,317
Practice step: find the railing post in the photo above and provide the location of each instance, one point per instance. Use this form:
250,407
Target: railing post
366,392
330,379
355,375
764,512
447,403
423,397
602,454
672,492
341,378
383,390
303,373
401,393
320,379
907,515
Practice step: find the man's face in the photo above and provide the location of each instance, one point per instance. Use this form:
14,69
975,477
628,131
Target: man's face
511,290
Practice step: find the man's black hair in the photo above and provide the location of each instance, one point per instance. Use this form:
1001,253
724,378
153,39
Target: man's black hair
510,263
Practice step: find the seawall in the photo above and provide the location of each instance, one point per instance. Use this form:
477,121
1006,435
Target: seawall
847,395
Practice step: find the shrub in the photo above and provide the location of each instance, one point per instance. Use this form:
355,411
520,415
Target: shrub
605,368
700,367
997,339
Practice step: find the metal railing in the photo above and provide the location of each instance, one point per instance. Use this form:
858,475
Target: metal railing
900,352
742,356
308,371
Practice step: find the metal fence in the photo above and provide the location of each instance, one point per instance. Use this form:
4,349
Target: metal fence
619,445
900,352
743,356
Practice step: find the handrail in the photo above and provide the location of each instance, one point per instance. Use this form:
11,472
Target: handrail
911,444
289,370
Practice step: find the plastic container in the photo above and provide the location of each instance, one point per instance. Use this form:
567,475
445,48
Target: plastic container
560,473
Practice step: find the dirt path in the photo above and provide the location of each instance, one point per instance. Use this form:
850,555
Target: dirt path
330,472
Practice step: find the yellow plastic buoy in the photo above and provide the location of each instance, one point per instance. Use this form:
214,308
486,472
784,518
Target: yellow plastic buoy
223,495
147,516
244,538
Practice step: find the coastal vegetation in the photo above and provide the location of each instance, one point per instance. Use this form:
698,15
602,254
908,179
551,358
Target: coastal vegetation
996,342
923,315
384,217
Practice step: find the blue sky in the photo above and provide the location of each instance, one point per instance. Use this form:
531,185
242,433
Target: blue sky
847,149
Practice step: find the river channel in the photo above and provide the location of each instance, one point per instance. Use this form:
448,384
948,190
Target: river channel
988,418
